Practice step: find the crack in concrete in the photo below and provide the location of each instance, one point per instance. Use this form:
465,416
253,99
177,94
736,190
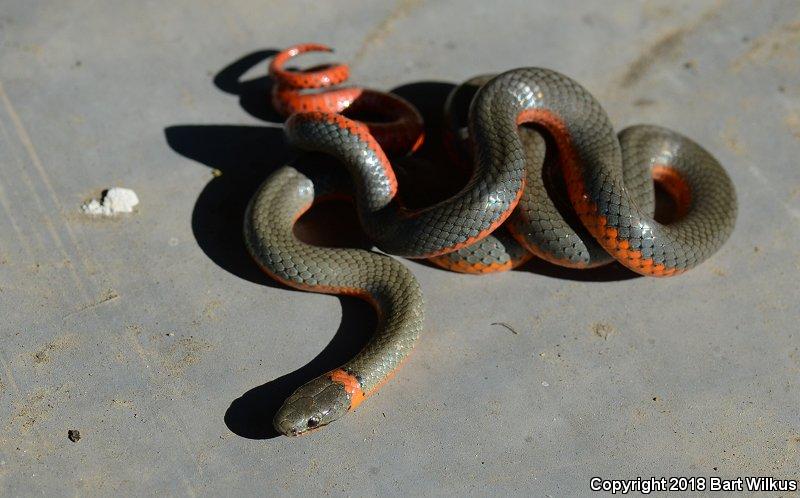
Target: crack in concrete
385,27
665,47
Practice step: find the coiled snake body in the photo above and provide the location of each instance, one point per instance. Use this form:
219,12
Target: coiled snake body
608,182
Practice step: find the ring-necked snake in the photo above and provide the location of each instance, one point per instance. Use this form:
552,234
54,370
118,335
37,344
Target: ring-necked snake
512,119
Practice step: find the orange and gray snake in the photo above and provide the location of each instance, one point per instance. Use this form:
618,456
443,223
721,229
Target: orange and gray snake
608,181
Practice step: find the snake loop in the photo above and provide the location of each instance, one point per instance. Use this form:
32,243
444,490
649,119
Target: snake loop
399,127
602,207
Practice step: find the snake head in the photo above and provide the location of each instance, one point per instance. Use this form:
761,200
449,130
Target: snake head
311,406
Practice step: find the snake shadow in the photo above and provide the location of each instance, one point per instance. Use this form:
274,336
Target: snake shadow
239,158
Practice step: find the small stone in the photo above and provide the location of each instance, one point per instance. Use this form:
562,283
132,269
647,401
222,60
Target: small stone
115,200
74,435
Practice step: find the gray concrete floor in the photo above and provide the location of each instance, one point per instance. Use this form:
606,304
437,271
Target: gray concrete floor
155,336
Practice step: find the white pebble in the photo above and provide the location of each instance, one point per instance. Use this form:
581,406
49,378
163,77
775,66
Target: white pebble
115,200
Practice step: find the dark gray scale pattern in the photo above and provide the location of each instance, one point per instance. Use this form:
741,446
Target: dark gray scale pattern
710,218
618,203
543,222
608,188
618,174
497,249
372,183
479,207
381,279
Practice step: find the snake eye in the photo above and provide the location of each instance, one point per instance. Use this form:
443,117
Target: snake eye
313,422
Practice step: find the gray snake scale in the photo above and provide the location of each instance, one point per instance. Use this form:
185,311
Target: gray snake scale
607,180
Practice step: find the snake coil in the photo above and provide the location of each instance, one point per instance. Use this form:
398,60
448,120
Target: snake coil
512,119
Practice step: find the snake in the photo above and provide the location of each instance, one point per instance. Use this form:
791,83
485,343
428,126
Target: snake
506,126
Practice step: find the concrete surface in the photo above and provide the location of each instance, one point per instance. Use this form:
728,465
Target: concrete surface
155,337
